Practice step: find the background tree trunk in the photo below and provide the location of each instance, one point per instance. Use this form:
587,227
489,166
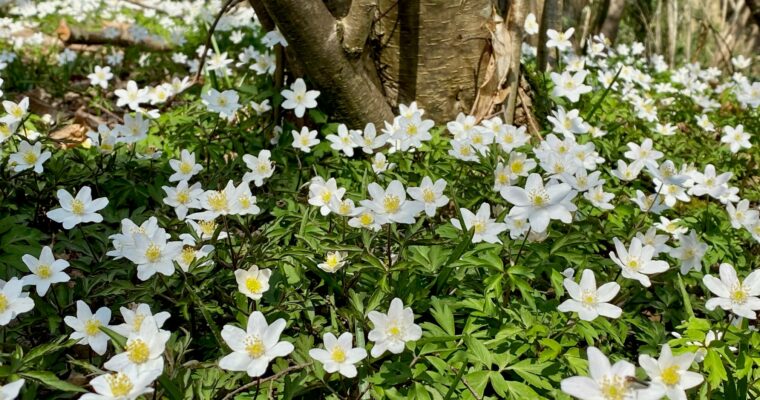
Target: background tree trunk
551,18
612,20
369,56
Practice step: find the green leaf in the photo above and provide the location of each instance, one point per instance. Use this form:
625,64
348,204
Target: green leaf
716,372
478,351
50,380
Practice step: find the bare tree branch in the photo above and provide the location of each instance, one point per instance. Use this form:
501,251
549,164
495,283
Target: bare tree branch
355,27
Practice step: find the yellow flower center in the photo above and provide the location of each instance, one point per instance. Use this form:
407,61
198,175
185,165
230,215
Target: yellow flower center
183,196
394,330
588,297
366,219
614,388
538,197
253,284
185,167
244,201
428,196
44,271
153,253
326,196
218,201
30,157
77,207
633,264
411,130
188,255
391,203
338,355
739,295
344,208
502,178
671,375
207,227
263,167
119,384
517,166
332,261
254,347
92,327
3,303
479,226
138,351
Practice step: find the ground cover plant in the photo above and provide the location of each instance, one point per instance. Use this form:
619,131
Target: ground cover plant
196,224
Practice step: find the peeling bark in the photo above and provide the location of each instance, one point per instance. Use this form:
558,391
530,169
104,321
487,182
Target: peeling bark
311,32
354,28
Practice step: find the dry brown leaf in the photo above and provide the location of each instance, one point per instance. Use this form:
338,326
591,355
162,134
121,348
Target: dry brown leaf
492,93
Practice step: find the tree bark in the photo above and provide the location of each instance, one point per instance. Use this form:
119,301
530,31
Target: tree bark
355,27
515,25
551,18
754,8
311,31
430,51
612,21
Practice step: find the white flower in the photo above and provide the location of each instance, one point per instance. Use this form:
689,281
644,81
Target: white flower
588,301
100,76
183,197
649,203
125,241
255,347
132,96
13,301
599,198
261,167
540,204
690,252
334,261
45,271
343,141
643,154
366,218
298,98
570,85
128,384
568,123
184,168
10,391
670,374
430,194
710,183
742,215
651,238
392,203
323,193
224,103
392,330
380,163
16,111
339,355
253,282
261,108
305,140
144,349
412,131
369,141
736,138
485,229
636,261
153,254
29,156
627,172
531,25
134,318
79,209
739,297
87,326
560,40
605,381
134,129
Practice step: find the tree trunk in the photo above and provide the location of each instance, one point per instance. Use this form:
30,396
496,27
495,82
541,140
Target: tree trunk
612,21
369,56
551,18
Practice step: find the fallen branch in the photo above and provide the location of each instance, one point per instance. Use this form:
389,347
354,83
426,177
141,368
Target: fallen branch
71,35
